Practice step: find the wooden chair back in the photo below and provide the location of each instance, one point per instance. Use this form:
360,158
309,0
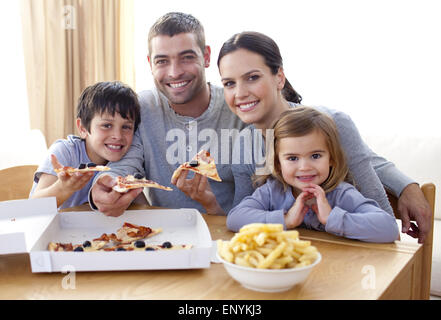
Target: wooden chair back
428,190
16,182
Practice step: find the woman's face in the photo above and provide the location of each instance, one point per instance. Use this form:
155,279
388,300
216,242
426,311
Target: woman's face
251,91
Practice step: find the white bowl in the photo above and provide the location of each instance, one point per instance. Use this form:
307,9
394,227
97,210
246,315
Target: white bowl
268,280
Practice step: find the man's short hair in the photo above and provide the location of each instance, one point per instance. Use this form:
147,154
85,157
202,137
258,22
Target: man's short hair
110,97
174,23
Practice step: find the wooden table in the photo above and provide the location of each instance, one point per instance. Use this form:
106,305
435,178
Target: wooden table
348,270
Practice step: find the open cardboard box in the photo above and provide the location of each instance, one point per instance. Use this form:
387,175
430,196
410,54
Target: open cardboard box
29,226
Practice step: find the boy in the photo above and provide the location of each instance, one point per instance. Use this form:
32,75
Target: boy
108,114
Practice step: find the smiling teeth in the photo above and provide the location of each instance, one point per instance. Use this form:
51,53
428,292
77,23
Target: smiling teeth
247,106
114,147
178,85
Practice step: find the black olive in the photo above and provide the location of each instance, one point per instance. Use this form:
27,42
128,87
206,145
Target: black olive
194,163
79,249
139,244
91,165
149,249
120,249
167,245
138,176
86,244
82,166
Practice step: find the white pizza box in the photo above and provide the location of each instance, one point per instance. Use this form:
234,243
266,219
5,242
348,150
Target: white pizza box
29,225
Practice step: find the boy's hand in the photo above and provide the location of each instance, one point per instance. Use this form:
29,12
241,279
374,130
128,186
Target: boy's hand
108,201
198,188
70,183
297,212
321,207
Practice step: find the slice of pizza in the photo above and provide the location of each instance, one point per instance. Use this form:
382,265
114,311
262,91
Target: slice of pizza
126,235
124,184
201,163
82,168
131,232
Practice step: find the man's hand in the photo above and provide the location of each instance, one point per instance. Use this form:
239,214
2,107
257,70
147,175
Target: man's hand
413,206
108,201
198,188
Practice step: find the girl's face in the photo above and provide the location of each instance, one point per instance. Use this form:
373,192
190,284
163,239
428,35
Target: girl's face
251,91
304,160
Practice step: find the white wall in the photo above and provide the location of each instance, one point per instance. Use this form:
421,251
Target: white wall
377,60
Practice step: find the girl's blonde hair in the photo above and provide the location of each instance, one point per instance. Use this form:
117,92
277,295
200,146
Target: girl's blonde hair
298,122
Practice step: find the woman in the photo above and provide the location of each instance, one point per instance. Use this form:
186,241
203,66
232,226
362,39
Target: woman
256,89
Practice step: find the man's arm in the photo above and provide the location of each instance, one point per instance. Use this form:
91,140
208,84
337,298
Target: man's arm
412,205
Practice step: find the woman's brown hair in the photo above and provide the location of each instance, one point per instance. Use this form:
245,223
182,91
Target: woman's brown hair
298,122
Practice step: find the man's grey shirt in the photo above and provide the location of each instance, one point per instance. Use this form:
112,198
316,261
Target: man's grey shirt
165,139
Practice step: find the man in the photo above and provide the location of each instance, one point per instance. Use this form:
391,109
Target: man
180,116
184,114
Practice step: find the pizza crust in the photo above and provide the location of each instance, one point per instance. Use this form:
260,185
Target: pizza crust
73,170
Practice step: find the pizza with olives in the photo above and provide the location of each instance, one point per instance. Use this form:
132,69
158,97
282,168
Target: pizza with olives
84,167
201,163
127,238
124,184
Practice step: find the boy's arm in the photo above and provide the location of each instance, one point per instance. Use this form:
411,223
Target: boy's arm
61,187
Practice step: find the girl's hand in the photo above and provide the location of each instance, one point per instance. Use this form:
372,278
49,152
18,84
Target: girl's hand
321,207
297,212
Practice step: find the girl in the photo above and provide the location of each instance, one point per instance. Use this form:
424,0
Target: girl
306,185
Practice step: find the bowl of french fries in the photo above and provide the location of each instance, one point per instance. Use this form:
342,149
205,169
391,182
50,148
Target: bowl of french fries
264,257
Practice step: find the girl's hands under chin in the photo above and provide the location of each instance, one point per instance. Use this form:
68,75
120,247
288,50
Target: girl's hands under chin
295,215
321,207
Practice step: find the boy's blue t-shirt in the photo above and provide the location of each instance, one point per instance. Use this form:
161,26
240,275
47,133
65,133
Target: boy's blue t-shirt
69,152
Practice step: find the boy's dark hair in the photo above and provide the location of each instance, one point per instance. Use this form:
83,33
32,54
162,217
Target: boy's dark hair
110,97
173,23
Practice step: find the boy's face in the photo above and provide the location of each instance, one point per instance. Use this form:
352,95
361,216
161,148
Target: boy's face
178,66
109,138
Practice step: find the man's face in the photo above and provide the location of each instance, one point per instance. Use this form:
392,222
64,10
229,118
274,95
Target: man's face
178,66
